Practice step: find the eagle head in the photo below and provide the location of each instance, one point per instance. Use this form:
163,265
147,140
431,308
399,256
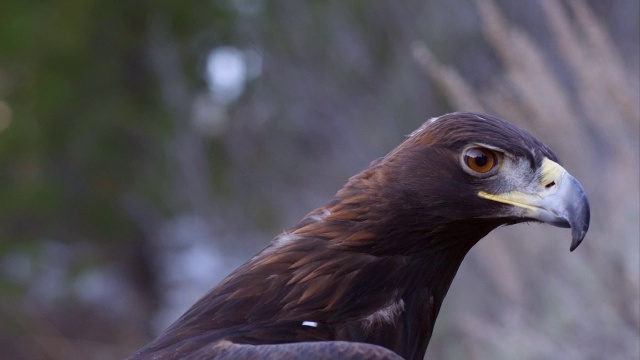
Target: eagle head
469,172
364,276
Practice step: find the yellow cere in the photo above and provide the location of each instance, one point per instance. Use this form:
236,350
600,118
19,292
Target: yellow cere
551,172
550,176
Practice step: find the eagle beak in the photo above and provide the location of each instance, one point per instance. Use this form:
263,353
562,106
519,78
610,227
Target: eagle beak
558,200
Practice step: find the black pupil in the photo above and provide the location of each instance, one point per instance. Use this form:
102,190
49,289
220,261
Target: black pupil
481,159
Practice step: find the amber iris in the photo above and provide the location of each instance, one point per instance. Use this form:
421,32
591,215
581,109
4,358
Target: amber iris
480,160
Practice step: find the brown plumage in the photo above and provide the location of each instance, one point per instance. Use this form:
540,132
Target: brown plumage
364,276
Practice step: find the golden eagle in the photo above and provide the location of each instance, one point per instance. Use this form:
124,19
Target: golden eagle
363,277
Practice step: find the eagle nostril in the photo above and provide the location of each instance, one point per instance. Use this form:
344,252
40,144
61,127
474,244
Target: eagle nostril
550,184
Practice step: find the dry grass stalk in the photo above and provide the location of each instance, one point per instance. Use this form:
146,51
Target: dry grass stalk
610,63
543,98
448,80
594,63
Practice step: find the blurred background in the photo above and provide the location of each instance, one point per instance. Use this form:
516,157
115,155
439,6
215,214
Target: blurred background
149,147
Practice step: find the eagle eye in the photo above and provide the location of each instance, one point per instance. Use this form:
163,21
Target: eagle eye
479,160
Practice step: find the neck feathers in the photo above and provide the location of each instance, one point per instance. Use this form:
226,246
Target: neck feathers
366,267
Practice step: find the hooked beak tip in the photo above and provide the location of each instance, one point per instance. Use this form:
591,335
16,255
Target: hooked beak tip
580,214
579,227
575,242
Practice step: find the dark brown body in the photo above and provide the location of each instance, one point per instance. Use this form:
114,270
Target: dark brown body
372,266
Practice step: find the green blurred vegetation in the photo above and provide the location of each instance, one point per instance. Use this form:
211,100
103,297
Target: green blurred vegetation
82,128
